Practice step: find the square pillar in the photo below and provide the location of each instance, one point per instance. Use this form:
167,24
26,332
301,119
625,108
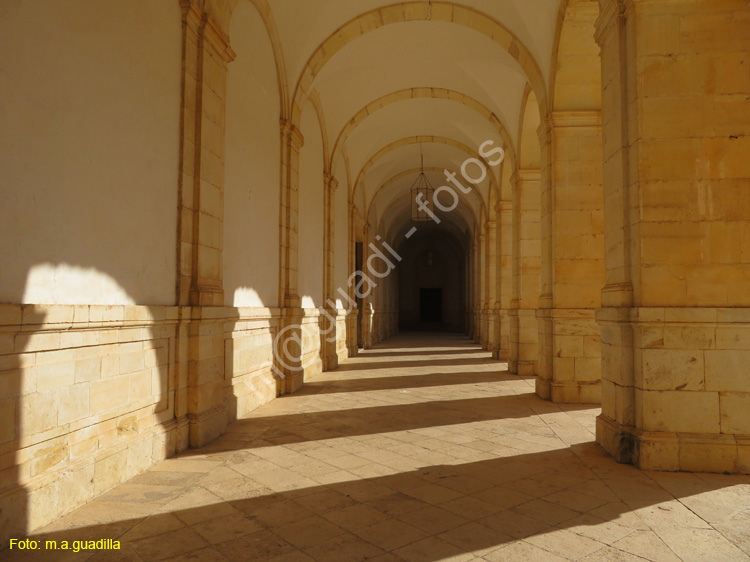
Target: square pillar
573,268
675,316
524,332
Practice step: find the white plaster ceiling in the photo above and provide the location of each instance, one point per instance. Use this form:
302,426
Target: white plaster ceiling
416,54
420,54
422,116
305,24
405,157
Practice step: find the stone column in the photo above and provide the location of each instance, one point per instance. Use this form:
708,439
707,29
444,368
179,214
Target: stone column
526,271
504,279
573,264
206,53
488,341
328,343
200,376
675,317
290,342
367,302
352,319
477,285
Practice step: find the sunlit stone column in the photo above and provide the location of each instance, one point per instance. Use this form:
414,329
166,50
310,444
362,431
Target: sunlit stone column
490,253
367,302
503,280
475,288
291,343
524,331
352,319
329,320
573,258
206,53
200,348
675,317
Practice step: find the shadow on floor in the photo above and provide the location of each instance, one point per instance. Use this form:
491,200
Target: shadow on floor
423,515
404,382
404,364
385,352
253,432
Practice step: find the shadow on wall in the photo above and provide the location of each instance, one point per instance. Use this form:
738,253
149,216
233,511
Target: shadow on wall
90,396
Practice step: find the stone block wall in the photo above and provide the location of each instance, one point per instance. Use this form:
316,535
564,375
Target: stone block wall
92,395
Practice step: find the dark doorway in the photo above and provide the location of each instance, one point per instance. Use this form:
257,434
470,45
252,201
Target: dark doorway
431,305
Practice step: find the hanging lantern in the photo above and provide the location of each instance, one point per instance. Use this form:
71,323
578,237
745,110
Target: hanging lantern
421,190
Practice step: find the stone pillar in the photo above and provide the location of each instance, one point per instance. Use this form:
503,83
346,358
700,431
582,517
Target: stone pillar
573,264
200,375
352,318
206,53
675,317
526,272
328,328
490,285
477,289
503,279
291,144
367,303
289,344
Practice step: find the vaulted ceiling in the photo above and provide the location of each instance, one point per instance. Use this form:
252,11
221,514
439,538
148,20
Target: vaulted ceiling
392,83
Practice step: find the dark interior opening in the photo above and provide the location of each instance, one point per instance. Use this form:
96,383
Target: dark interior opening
430,305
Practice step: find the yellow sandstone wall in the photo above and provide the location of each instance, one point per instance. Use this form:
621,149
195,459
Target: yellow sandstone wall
675,320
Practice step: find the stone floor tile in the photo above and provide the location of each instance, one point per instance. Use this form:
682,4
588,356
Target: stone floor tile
343,547
565,543
223,529
432,520
390,534
308,532
262,545
522,551
168,545
432,549
547,512
202,555
421,448
355,516
475,538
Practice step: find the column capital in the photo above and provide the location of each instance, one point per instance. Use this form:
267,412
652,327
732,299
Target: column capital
199,16
544,132
576,118
527,174
503,206
610,11
292,133
330,181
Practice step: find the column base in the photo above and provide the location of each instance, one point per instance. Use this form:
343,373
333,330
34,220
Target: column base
293,381
207,425
689,452
502,355
569,392
525,367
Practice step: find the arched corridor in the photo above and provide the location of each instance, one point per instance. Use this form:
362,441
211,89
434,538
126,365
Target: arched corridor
416,450
497,243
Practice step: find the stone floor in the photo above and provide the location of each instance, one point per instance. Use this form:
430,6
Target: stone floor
422,449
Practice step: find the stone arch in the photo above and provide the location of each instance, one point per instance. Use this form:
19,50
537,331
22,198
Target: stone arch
318,106
389,181
434,93
529,149
417,11
416,140
264,9
575,72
